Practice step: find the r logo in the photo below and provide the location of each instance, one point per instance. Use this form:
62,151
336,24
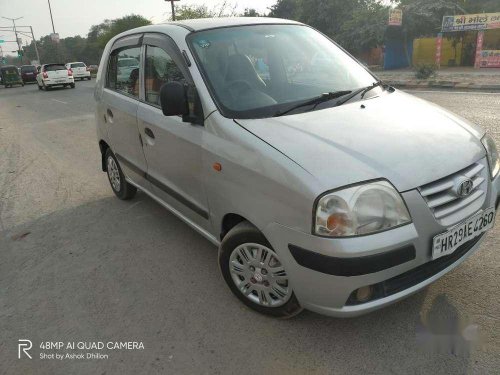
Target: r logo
25,345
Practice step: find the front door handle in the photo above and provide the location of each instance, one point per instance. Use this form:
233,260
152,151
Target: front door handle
149,133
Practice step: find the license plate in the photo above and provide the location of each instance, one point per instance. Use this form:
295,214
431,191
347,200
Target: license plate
447,242
60,80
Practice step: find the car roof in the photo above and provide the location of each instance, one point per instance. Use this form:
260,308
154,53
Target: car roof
211,23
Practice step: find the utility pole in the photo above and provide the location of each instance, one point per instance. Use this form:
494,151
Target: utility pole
34,42
51,19
173,8
15,30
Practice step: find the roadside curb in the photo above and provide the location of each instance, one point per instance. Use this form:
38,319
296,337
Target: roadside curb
450,85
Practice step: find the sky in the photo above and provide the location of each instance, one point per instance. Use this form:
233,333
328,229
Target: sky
74,17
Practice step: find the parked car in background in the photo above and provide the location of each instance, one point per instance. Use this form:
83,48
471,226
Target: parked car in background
93,68
10,76
55,75
80,70
322,187
29,73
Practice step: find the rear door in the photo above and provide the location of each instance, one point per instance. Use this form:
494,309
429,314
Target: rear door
120,100
57,73
173,148
79,69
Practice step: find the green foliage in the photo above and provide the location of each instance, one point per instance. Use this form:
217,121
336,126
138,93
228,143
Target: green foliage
112,28
425,71
187,12
356,24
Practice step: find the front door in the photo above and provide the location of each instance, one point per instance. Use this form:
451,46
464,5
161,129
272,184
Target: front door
172,147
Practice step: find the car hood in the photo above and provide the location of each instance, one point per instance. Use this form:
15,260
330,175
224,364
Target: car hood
395,136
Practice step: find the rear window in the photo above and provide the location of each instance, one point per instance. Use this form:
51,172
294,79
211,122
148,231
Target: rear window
28,69
53,68
78,65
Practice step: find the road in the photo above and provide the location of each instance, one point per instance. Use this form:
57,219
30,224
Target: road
77,264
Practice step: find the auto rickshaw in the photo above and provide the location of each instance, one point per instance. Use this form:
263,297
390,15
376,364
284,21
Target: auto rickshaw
10,76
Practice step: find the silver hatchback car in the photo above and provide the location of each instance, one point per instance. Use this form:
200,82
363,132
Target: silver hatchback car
322,187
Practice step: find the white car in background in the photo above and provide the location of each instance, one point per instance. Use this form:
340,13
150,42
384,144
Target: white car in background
54,75
80,70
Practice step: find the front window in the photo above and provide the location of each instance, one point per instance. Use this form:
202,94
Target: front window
257,71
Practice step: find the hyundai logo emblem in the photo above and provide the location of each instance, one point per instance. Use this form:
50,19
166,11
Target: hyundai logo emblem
465,187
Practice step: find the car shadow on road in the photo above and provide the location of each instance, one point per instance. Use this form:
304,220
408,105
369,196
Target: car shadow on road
127,271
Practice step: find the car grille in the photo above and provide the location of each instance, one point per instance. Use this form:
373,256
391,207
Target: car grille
417,275
449,208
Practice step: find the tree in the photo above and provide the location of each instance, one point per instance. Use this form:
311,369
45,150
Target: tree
250,12
356,24
117,26
185,12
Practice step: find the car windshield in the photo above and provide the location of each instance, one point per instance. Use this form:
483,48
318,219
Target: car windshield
78,65
54,67
28,69
129,62
259,70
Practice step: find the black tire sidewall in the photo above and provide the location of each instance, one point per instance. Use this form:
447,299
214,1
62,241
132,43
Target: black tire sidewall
247,233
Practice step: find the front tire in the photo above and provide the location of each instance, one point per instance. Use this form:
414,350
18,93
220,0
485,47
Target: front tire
254,273
120,186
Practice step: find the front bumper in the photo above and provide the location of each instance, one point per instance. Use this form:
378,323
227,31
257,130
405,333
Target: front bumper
398,260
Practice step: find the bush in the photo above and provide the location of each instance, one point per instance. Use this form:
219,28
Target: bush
424,71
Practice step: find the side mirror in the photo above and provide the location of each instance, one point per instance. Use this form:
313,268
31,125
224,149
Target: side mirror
173,99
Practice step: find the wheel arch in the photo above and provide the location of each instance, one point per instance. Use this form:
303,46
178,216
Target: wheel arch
229,221
103,146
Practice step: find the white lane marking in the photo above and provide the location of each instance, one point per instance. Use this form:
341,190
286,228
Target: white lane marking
456,92
59,101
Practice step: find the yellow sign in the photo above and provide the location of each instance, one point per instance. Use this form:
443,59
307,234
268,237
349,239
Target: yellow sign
395,17
464,22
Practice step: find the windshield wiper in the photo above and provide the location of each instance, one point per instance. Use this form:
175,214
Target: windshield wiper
361,91
315,101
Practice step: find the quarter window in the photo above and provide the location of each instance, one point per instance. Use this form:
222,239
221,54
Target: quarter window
159,69
123,71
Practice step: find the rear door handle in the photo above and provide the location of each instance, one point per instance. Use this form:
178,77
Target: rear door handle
149,133
109,113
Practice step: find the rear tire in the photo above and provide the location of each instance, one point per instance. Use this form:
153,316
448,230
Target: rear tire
261,281
72,85
89,78
120,186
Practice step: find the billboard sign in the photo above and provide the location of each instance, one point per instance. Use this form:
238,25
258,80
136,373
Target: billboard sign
465,22
489,59
395,17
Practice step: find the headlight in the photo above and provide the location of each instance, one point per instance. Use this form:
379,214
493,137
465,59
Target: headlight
362,209
492,153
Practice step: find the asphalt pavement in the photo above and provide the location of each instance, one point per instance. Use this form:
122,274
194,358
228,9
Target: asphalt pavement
79,265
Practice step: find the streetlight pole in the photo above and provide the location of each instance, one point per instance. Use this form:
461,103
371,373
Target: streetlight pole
51,19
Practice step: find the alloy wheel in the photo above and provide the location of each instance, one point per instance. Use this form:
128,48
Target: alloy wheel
114,174
259,275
